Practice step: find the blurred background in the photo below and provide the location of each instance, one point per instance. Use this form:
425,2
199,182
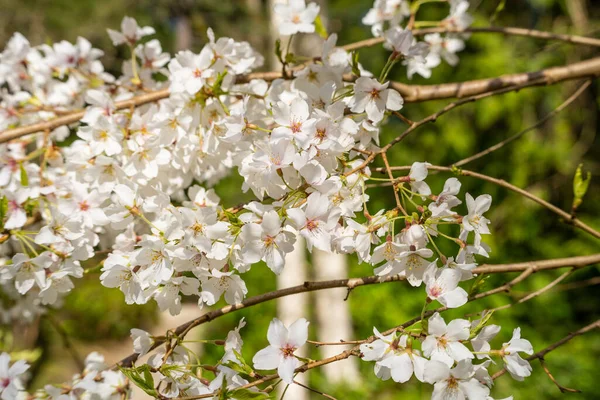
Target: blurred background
543,161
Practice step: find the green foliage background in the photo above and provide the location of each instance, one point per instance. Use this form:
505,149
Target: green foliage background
543,161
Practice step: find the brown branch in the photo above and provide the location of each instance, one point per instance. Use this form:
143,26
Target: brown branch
562,389
540,122
579,284
394,188
526,268
315,391
501,182
411,93
183,329
537,292
432,118
418,93
355,351
574,39
534,266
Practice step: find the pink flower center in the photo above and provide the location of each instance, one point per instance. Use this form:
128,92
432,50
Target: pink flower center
312,224
374,94
296,126
13,205
288,351
435,291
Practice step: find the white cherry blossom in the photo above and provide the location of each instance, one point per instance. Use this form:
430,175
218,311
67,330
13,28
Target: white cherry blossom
283,343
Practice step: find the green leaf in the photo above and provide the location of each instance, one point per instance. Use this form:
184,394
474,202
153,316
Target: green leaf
320,28
241,366
482,323
24,177
290,58
278,51
478,284
355,69
146,383
498,10
3,210
218,83
580,186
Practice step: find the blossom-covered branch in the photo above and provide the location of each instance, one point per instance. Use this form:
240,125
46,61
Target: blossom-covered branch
121,177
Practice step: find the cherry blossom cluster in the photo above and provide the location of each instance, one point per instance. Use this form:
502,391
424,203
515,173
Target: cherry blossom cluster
128,190
444,360
95,381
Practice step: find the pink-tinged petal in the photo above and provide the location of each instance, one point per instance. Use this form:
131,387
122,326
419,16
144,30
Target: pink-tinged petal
286,369
454,298
437,325
271,223
483,203
458,329
459,351
297,216
267,358
435,371
374,111
419,367
402,368
394,100
277,333
298,333
316,205
299,111
474,389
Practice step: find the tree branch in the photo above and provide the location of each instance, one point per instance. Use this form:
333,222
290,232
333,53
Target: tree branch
351,283
501,182
355,351
418,93
411,93
532,33
540,122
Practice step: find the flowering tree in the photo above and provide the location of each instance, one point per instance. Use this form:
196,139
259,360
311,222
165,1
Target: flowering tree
117,169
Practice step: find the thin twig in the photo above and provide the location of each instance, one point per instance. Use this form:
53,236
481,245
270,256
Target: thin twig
567,218
535,293
562,388
411,93
394,188
66,342
492,29
540,122
355,351
434,117
315,391
579,284
182,330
